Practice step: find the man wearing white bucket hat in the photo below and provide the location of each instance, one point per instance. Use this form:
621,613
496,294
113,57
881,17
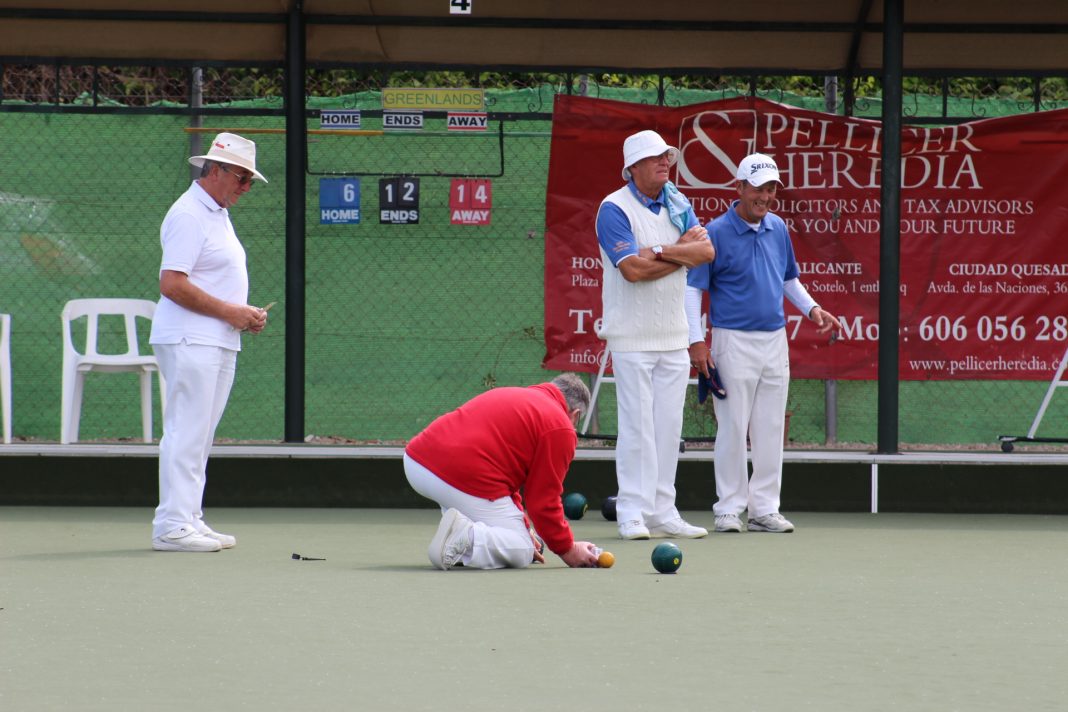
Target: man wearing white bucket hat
196,334
648,235
753,270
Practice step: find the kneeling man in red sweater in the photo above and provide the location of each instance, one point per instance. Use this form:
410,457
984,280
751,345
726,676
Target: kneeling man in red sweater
484,461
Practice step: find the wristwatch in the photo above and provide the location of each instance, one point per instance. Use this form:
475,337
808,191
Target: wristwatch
658,252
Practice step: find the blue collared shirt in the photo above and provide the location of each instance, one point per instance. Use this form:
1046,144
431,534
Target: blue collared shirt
613,228
745,280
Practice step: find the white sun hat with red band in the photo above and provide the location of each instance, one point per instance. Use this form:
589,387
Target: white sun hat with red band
233,149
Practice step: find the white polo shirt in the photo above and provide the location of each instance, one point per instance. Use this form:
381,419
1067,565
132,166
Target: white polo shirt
199,240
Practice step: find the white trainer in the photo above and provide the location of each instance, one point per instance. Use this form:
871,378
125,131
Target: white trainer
185,538
728,523
677,528
774,522
633,529
225,540
451,541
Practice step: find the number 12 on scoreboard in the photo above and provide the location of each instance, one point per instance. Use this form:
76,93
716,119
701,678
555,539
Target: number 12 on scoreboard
470,201
398,201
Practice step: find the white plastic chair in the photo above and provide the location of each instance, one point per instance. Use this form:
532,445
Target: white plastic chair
5,374
598,381
601,379
76,364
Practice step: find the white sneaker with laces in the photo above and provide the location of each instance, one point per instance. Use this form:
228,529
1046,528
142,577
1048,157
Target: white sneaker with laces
774,522
452,540
728,523
633,529
225,540
185,538
677,528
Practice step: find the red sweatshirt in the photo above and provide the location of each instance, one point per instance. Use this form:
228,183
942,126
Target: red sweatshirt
504,440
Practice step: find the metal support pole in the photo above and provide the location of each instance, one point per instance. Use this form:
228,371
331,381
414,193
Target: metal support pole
830,387
830,402
196,101
296,156
890,229
874,488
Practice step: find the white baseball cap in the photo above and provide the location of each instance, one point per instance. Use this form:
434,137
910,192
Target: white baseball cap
758,169
642,145
233,149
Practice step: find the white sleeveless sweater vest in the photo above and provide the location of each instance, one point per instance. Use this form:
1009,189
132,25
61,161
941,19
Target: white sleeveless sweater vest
643,316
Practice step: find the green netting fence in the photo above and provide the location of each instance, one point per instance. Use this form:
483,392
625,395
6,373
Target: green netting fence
403,322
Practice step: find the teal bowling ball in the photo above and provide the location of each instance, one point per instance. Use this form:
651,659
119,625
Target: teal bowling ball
575,505
667,558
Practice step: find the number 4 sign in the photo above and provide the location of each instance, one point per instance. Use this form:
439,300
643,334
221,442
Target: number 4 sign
460,7
470,201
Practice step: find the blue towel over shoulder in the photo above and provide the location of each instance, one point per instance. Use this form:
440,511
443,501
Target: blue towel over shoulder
678,207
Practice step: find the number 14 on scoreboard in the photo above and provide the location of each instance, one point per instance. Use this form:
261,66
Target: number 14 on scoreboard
470,201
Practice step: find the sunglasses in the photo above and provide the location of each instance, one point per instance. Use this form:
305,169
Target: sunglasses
241,179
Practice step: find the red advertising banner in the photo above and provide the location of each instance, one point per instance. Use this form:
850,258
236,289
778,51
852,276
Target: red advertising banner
984,216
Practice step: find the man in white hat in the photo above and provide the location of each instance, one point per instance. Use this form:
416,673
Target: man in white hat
196,334
649,235
754,268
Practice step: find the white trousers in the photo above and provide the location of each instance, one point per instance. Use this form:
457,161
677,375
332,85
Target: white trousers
198,380
650,395
755,368
500,537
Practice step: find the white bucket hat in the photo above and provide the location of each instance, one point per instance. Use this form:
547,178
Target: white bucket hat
642,145
233,149
758,169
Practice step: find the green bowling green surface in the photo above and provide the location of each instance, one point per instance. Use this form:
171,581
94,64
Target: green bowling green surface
850,612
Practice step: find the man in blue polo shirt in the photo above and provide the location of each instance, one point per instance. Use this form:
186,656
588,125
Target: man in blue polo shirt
753,268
